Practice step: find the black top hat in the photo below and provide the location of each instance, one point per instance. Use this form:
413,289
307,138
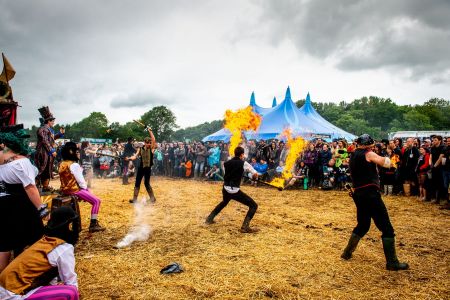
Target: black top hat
46,114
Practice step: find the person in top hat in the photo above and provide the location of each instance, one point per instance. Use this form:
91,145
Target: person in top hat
369,205
45,148
46,270
21,208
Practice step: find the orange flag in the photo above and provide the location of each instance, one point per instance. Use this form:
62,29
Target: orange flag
8,71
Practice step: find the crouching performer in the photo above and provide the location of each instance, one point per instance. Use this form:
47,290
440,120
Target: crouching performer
369,205
234,169
46,270
73,183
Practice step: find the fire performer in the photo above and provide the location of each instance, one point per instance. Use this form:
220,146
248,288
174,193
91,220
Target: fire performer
234,169
369,205
73,183
45,148
145,166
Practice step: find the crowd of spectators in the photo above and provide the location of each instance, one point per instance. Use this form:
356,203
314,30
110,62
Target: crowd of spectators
419,167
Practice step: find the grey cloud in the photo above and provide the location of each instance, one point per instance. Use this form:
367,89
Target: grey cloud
140,99
410,36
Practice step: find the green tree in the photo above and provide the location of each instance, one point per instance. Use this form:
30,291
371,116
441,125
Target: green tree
94,126
414,120
197,132
162,121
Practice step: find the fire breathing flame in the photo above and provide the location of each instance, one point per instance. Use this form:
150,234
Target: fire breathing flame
241,120
295,147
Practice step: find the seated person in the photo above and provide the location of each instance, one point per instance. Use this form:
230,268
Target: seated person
301,175
214,174
73,183
261,168
343,174
50,261
329,175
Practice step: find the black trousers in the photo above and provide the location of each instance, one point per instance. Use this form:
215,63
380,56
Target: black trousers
369,205
240,197
143,173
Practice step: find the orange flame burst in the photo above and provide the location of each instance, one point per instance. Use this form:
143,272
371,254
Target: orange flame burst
295,146
238,121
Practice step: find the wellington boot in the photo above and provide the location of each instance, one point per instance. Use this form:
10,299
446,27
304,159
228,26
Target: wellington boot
135,195
249,230
392,262
95,226
385,190
246,226
351,246
210,219
151,195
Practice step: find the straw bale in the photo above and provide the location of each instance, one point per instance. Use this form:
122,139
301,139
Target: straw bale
296,255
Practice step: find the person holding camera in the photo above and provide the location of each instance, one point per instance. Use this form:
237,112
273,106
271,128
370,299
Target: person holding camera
369,205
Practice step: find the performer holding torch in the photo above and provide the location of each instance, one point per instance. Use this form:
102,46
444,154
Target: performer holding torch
234,169
145,166
369,205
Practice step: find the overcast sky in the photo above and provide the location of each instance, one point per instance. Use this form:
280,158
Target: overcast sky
200,58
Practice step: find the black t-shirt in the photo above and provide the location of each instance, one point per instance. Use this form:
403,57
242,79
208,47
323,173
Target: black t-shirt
436,152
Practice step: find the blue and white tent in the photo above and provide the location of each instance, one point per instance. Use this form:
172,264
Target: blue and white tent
304,121
322,126
261,110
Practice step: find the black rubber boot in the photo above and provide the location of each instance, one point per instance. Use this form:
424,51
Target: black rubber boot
135,195
210,219
351,246
246,226
151,194
95,226
392,262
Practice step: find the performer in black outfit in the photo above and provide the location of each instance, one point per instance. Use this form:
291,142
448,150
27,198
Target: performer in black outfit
369,205
234,169
145,167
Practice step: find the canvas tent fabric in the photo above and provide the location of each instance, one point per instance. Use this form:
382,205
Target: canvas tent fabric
259,109
322,126
304,121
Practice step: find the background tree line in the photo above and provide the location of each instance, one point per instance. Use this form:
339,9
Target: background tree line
374,115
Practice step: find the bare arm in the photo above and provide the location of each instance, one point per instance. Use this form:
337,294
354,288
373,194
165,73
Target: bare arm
150,132
34,196
384,162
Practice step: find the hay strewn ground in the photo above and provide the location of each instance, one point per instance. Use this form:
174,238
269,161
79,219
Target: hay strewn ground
294,256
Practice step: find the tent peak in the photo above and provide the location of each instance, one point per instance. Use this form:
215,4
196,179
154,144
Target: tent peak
252,99
308,99
288,94
274,102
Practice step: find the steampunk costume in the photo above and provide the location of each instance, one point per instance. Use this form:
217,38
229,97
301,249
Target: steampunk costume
28,276
45,148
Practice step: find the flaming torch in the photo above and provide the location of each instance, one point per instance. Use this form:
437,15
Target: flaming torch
241,120
295,146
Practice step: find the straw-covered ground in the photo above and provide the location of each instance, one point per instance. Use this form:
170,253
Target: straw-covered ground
296,255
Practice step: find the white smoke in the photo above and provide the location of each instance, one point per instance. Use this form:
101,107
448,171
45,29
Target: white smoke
141,229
